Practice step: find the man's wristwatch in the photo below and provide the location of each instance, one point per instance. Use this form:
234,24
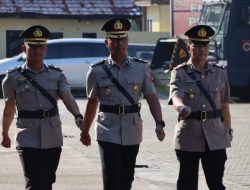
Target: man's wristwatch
230,131
78,116
161,122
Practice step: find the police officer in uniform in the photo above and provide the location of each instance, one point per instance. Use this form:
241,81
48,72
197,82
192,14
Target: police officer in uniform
200,93
119,124
33,89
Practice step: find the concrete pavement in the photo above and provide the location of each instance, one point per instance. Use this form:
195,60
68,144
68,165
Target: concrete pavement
80,166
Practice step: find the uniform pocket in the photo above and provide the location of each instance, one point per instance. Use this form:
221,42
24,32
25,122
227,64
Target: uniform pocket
52,88
215,93
138,121
103,119
23,89
55,121
191,95
23,92
134,87
184,124
106,87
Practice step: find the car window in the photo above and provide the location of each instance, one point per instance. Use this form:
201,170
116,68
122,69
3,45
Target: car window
76,50
141,51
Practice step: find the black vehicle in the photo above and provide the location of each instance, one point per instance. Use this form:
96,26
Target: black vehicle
230,46
168,53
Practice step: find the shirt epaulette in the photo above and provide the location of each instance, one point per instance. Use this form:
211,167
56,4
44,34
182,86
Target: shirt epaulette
216,65
98,63
55,68
140,60
180,66
13,69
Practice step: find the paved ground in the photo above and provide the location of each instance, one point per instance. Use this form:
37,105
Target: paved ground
80,166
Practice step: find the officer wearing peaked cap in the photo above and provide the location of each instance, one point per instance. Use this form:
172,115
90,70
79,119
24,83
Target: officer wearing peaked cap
200,34
36,35
117,28
33,89
119,124
200,93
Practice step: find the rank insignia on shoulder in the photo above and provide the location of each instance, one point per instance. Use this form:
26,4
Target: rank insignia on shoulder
98,63
140,60
180,66
217,65
13,69
55,68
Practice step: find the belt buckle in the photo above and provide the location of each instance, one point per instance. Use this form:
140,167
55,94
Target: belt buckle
121,109
203,116
45,114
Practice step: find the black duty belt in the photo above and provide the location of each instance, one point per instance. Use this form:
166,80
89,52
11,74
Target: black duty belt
41,114
204,115
120,109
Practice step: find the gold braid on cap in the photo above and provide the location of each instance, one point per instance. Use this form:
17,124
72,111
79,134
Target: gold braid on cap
35,42
199,39
117,35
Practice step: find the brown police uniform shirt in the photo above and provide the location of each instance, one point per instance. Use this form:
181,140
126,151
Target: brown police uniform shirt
32,132
191,134
134,76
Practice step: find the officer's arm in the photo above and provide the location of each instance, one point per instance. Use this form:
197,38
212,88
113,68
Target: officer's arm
154,106
69,102
8,116
177,101
183,110
226,115
155,109
89,114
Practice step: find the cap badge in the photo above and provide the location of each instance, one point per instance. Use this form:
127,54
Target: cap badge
202,32
118,25
37,33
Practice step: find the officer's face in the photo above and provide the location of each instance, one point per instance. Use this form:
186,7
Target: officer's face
35,51
117,46
199,51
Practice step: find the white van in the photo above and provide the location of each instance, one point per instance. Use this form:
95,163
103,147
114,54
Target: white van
74,56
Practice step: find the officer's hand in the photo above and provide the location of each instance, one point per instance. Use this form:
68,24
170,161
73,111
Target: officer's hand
160,133
184,111
231,137
85,138
6,142
230,131
79,122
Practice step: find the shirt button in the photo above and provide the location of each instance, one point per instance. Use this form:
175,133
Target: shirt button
203,105
40,105
202,76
